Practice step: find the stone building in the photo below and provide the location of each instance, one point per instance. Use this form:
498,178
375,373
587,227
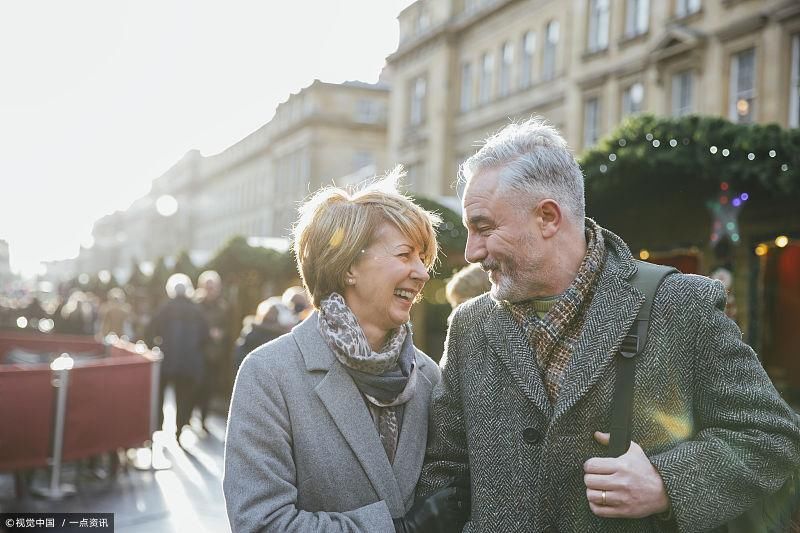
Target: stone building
253,187
462,68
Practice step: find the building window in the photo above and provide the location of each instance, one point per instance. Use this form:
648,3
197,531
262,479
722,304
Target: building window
637,16
367,111
743,87
528,50
682,93
550,44
506,60
632,99
794,88
466,86
485,86
598,25
684,8
591,122
417,107
423,20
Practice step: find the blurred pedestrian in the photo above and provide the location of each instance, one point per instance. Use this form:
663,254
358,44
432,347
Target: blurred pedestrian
180,329
115,315
296,299
217,313
328,424
76,317
467,283
265,326
725,276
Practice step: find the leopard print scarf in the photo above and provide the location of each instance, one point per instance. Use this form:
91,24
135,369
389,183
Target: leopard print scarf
386,379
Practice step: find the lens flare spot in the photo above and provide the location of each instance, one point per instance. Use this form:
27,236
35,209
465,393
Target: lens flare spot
679,428
337,238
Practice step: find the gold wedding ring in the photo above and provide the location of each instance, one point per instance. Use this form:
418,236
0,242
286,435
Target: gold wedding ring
603,495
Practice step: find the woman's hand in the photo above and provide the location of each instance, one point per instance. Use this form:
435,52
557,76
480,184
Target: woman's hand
445,510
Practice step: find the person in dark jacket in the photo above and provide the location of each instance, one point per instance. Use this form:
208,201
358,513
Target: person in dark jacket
180,329
217,313
259,329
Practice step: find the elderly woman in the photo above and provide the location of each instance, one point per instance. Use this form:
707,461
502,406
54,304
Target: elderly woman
328,424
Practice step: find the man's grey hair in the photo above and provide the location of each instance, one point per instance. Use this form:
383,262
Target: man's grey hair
535,163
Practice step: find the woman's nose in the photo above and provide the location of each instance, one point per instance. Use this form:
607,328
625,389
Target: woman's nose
420,272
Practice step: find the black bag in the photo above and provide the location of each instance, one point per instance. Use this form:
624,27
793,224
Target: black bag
776,513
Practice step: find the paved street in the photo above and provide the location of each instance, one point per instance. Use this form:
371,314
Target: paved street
187,496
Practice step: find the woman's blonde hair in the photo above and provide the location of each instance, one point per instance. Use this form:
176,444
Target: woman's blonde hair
335,225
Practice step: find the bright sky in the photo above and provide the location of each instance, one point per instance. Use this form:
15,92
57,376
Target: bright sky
100,97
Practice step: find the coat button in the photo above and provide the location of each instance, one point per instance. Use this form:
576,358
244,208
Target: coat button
531,435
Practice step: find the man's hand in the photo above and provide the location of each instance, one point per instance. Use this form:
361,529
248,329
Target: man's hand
627,486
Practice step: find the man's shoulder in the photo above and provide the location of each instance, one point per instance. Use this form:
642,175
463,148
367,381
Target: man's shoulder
473,310
689,287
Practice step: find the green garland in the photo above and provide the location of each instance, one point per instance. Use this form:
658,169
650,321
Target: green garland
647,156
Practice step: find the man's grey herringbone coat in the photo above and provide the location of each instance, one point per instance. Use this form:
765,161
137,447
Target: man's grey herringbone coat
302,452
706,414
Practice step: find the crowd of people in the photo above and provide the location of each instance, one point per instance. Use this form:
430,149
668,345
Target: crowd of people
191,327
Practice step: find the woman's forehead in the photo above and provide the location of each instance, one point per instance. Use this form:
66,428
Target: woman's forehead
388,234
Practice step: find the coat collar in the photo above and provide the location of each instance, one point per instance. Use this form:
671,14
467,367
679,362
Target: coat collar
610,315
393,483
508,343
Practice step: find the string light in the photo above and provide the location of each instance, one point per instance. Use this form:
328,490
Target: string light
644,255
761,249
781,241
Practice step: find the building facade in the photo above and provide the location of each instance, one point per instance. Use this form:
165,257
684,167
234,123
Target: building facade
463,68
253,188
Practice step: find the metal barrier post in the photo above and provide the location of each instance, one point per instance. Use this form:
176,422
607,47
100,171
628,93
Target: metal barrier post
156,459
56,491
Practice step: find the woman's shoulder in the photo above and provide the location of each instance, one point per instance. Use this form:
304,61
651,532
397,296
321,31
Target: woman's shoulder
427,366
277,355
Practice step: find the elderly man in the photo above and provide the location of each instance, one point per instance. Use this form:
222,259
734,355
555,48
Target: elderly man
528,373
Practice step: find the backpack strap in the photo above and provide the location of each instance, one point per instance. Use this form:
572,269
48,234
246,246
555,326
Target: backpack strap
647,279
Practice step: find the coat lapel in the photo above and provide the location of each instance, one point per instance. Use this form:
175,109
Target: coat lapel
413,436
344,403
609,318
506,339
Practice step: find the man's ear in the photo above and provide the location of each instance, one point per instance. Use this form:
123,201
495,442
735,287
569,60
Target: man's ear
549,217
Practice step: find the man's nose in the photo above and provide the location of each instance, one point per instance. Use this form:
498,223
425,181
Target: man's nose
475,250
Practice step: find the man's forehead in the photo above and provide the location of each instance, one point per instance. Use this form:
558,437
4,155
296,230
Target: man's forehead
483,183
